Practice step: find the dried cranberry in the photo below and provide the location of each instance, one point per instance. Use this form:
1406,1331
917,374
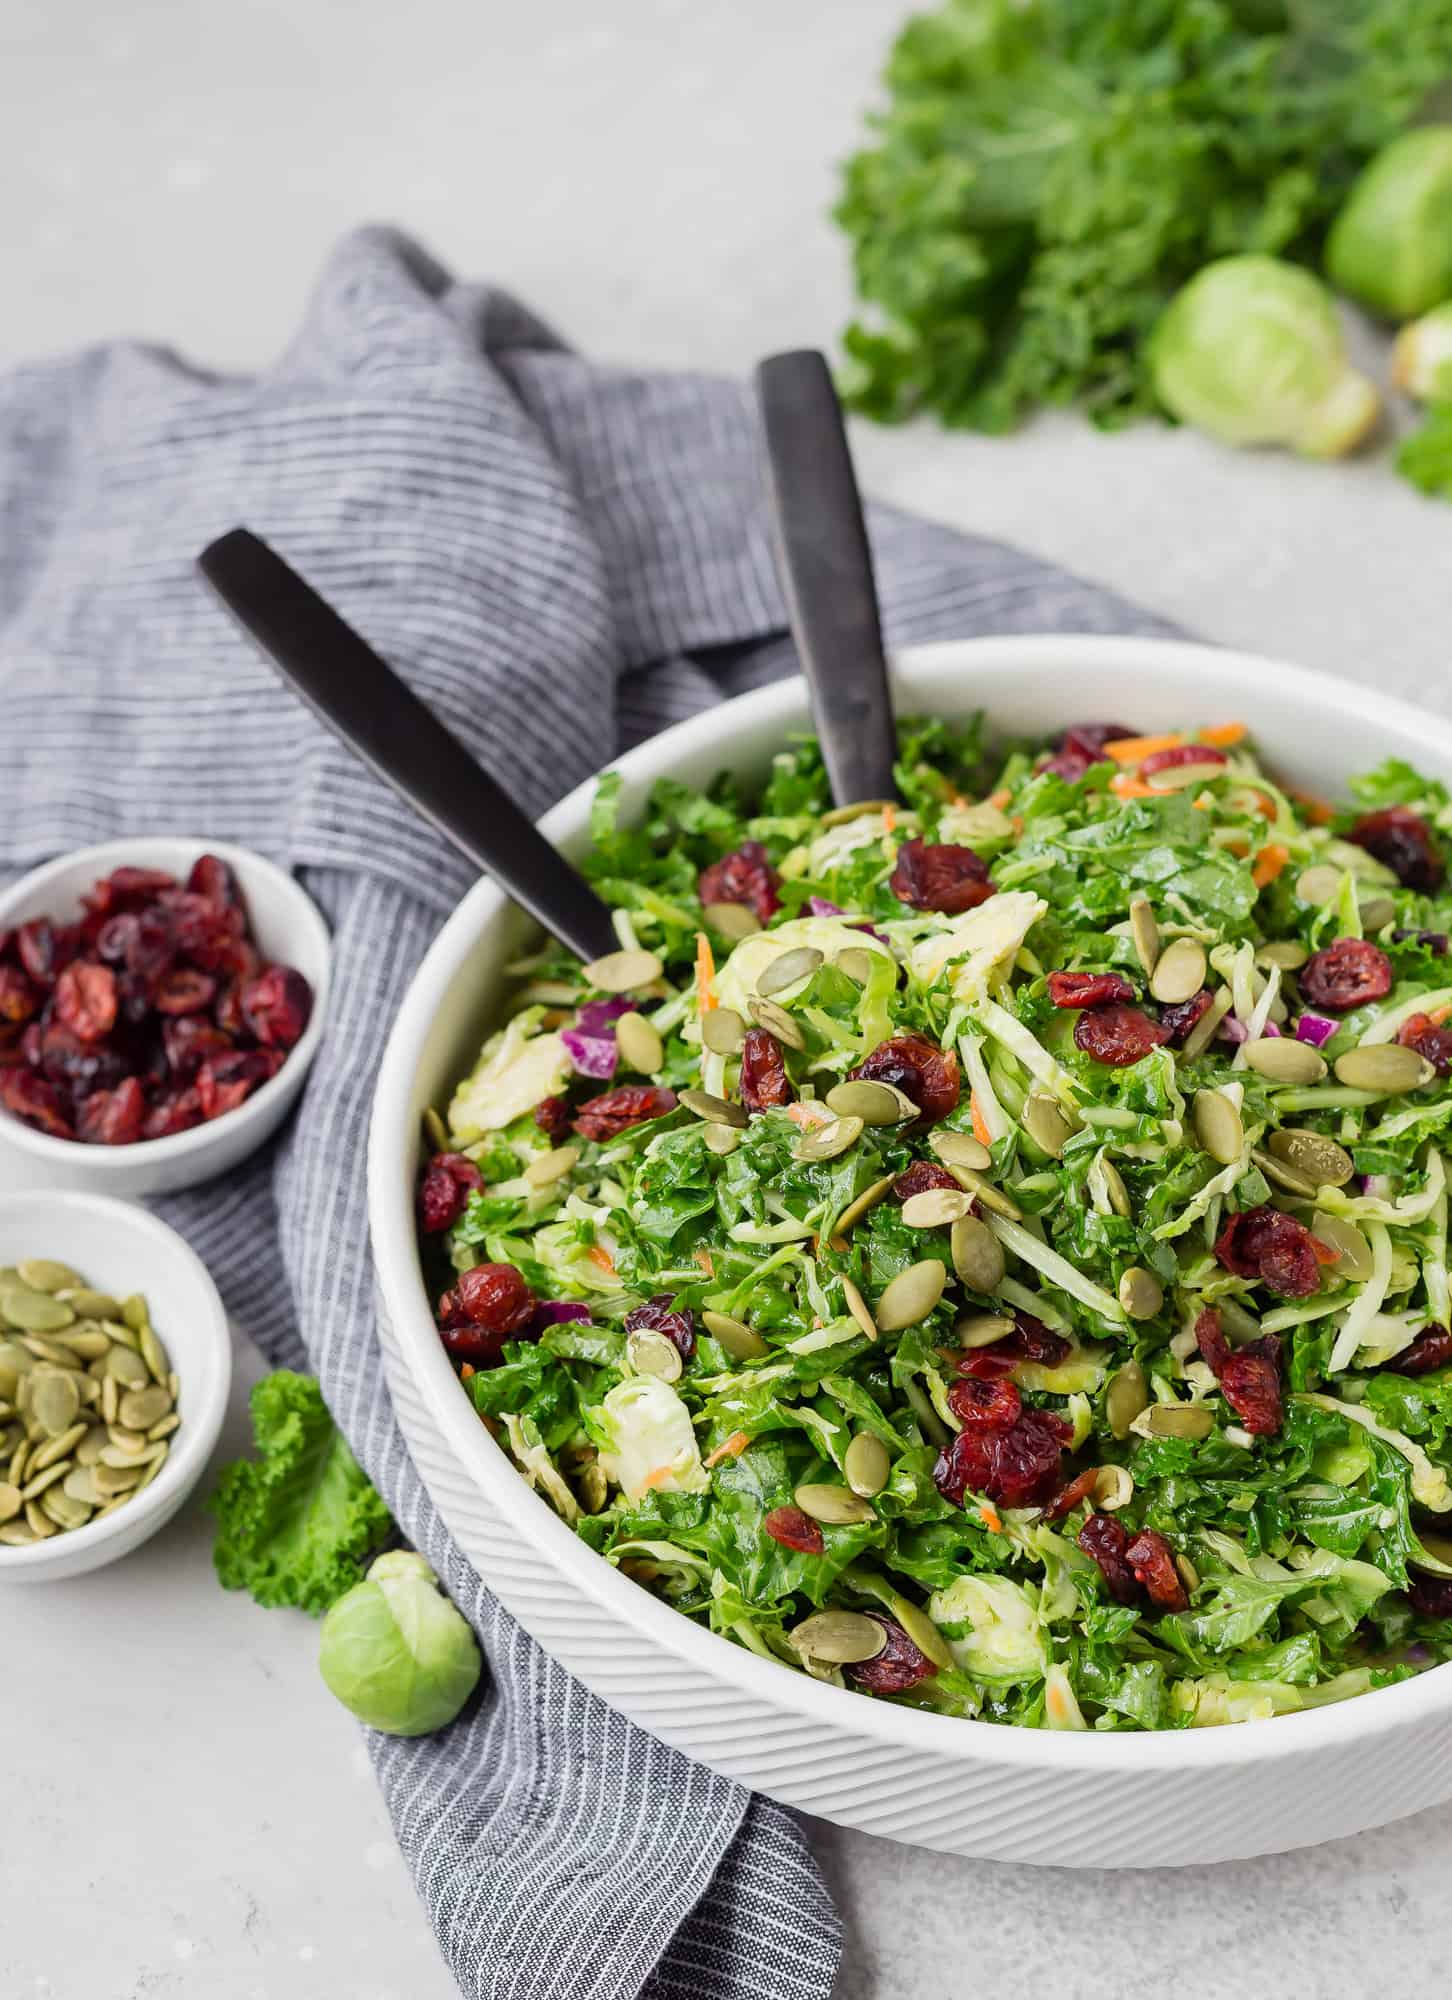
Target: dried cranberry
496,1296
85,1000
1030,1340
42,950
1251,1383
552,1115
227,1013
1210,1339
1430,1595
974,1401
794,1530
1431,1349
1153,1562
28,1096
899,1666
113,940
1431,1042
743,877
276,1006
920,1070
63,1058
1087,989
1402,841
212,879
224,1081
1019,1465
1071,1496
209,934
1349,973
188,1042
1118,1035
1280,1252
448,1181
1106,1539
129,888
1179,1018
1083,745
1436,942
18,996
919,1177
765,1085
1180,753
112,1117
184,992
656,1315
940,876
177,1112
150,948
615,1111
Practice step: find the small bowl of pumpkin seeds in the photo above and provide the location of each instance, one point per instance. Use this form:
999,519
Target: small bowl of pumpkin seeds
115,1363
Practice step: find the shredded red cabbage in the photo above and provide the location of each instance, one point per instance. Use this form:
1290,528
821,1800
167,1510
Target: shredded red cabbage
1315,1029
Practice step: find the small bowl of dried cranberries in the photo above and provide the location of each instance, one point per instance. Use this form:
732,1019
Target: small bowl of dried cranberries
160,1002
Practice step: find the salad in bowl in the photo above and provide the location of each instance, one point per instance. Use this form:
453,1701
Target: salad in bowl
988,1249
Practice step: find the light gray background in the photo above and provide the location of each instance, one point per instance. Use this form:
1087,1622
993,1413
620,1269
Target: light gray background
188,1813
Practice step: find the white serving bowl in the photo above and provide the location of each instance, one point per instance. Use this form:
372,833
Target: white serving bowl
288,929
1078,1800
121,1249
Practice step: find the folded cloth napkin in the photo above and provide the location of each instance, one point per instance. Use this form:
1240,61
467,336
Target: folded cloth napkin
562,558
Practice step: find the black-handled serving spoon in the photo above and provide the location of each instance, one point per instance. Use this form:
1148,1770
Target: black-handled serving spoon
362,700
826,572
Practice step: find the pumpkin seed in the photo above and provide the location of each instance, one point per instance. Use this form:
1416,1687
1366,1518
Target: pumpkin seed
723,1031
857,962
1127,1395
731,920
91,1445
840,815
842,1637
921,1630
833,1506
36,1482
141,1408
65,1512
984,1193
1189,1575
1046,1124
960,1149
777,1021
856,1305
54,1400
869,1198
1199,1037
1140,1293
935,1208
873,1103
134,1313
1377,913
735,1336
547,1168
789,968
977,1254
113,1480
35,1312
110,1399
1114,1187
911,1295
624,971
1179,1420
1387,1068
44,1274
593,1487
17,1535
127,1336
649,1351
79,1484
1113,1487
721,1138
867,1465
436,1138
1283,1175
58,1449
1180,777
1284,1060
87,1343
132,1442
827,1141
50,1351
1355,1259
639,1046
982,1329
1145,932
1319,884
1316,1158
1218,1127
127,1368
10,1502
165,1428
39,1522
715,1110
1288,953
1179,972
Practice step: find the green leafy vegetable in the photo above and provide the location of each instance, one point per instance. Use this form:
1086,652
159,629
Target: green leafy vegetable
295,1524
1424,456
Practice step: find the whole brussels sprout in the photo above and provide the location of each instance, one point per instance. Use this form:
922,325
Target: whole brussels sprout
396,1652
1390,248
1252,351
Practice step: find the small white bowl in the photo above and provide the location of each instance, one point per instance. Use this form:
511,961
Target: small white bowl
288,929
121,1249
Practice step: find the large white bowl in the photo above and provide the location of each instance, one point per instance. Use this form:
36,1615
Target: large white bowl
966,1787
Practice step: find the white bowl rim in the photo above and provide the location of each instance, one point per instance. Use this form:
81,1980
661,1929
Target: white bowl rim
148,1153
199,1431
1379,1712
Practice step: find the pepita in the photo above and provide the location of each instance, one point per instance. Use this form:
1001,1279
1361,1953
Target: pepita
911,1295
866,1464
842,1637
723,1031
857,1208
1218,1126
10,1502
1189,1575
863,809
1288,953
1113,1488
721,1138
1354,1260
777,1021
935,1208
873,1103
984,1192
36,1482
977,1254
731,920
649,1351
1312,1155
1203,1032
1179,1420
436,1138
857,962
833,1506
1319,885
639,1045
921,1630
157,1359
715,1110
34,1312
960,1149
65,1512
1046,1124
1283,1176
789,968
1140,1293
1377,912
125,1366
17,1535
1180,777
825,1142
1127,1395
39,1522
1145,932
134,1313
54,1400
735,1336
1284,1060
1387,1068
58,1449
856,1305
141,1408
79,1484
624,971
1179,971
1114,1187
982,1329
547,1168
44,1274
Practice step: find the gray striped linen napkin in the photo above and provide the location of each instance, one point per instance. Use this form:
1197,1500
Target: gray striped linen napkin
562,558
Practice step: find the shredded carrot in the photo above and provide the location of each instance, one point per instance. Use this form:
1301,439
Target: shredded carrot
1239,848
1017,824
1203,805
705,1260
1264,804
1130,749
705,974
808,1116
658,1476
1000,798
731,1447
1439,1014
1324,1253
1126,787
466,1371
988,1514
1224,734
957,802
889,818
602,1260
980,1128
1271,859
1316,809
1056,1700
